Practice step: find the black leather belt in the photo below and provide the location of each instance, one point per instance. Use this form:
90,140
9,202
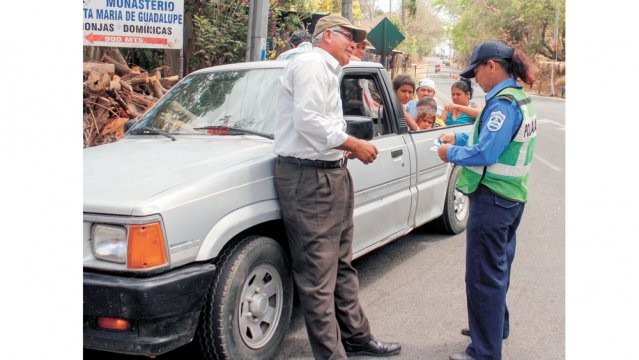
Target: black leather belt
313,163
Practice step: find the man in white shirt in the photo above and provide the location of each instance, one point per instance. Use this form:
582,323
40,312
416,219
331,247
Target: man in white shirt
316,193
300,42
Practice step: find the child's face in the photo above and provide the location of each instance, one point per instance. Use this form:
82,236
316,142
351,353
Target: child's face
360,50
405,93
425,121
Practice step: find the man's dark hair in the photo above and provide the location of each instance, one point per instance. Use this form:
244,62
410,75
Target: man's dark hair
299,36
403,79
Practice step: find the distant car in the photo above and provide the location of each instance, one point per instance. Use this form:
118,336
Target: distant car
446,63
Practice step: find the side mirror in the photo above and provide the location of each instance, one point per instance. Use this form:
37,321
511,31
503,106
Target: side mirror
129,124
359,127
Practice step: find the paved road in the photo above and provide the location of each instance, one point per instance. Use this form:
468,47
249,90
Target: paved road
413,289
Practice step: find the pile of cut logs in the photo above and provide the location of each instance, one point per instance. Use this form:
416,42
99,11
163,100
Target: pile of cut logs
115,93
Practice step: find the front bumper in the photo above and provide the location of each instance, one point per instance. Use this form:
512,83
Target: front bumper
162,310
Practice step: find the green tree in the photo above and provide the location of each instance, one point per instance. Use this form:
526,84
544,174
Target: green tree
422,30
221,28
525,24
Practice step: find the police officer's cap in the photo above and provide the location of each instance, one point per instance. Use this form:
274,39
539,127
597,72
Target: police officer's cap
485,51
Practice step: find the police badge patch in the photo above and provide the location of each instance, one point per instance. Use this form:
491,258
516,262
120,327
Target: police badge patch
496,120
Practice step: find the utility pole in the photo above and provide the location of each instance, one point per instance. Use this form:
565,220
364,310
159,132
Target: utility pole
256,39
554,53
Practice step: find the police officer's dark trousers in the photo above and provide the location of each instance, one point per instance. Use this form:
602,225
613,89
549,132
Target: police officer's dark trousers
317,209
490,250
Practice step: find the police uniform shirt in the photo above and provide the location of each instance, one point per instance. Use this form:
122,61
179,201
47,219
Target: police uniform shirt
501,121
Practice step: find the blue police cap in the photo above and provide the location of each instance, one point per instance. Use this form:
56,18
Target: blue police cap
485,51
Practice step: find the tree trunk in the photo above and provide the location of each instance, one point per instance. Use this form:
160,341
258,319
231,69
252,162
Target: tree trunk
347,9
403,14
172,60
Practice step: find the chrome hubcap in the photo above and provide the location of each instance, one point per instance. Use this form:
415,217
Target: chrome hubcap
460,204
261,306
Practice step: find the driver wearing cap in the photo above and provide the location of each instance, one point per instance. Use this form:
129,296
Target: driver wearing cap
315,191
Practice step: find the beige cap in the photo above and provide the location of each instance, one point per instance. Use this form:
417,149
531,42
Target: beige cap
332,20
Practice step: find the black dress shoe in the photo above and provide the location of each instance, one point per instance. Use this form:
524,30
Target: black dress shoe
372,348
466,332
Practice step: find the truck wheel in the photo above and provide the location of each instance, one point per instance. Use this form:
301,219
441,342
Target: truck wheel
248,310
455,216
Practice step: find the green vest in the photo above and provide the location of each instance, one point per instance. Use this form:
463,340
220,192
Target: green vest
509,175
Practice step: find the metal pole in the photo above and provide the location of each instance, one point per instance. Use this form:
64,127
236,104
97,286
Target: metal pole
554,53
256,39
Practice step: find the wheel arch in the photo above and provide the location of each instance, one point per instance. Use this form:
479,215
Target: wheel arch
263,218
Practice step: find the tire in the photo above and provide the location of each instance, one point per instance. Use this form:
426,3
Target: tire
248,310
455,215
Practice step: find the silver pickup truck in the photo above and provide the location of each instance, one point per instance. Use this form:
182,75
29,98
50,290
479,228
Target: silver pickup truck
182,232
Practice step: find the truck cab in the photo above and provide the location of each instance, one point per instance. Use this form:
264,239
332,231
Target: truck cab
183,237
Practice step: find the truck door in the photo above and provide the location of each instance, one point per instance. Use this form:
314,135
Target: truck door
382,189
432,175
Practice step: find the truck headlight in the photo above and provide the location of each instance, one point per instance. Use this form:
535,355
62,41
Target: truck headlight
110,243
139,246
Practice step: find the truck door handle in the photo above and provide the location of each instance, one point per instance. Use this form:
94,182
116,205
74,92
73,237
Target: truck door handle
396,153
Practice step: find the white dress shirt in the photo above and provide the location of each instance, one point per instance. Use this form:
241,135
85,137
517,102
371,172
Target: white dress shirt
310,122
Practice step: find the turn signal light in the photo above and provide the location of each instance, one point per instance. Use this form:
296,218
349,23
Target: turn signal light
113,323
146,246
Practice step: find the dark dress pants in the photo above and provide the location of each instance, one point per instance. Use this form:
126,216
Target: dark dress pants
490,250
317,209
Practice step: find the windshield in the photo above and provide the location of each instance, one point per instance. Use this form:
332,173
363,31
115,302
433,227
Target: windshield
242,99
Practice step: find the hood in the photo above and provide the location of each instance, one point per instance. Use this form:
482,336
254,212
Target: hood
119,178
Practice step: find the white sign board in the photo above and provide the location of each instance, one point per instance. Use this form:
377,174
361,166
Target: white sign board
134,23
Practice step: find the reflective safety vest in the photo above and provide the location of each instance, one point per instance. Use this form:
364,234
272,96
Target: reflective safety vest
509,175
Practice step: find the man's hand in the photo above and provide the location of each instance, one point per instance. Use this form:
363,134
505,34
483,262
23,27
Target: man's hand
442,152
364,152
448,138
359,149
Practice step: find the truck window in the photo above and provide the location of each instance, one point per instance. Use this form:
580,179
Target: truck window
361,97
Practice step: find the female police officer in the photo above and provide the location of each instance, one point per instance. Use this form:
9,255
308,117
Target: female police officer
496,160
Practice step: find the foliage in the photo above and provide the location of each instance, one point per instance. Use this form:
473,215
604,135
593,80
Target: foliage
422,30
221,28
145,58
332,6
525,24
411,6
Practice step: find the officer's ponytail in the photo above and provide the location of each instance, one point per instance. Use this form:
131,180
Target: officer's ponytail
520,67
